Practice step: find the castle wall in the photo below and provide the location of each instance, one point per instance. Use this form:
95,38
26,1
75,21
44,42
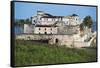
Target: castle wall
62,39
28,28
67,40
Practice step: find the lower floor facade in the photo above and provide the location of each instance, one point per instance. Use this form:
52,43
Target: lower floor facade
67,40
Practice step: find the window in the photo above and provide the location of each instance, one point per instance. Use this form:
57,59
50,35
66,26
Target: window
51,29
45,28
45,33
39,29
34,20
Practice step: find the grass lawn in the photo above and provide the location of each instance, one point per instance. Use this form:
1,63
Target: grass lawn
32,53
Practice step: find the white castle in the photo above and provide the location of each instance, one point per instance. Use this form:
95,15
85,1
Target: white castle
44,23
61,30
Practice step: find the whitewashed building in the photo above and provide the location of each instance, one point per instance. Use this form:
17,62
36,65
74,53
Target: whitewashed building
44,23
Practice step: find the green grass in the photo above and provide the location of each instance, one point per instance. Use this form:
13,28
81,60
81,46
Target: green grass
32,53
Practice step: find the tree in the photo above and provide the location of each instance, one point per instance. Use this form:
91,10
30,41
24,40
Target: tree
88,21
28,21
81,26
19,22
23,21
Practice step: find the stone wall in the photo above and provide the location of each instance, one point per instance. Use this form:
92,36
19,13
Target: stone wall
28,28
67,40
45,30
53,39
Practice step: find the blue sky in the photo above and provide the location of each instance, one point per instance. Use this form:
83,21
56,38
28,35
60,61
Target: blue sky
25,10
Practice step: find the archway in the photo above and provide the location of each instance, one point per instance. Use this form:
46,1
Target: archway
56,40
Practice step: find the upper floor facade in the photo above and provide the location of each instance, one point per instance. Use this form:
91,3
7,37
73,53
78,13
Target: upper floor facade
43,18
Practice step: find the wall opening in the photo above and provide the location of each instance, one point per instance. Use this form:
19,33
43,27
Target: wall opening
45,33
39,29
56,41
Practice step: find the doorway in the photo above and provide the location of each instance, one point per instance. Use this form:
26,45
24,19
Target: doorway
56,41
